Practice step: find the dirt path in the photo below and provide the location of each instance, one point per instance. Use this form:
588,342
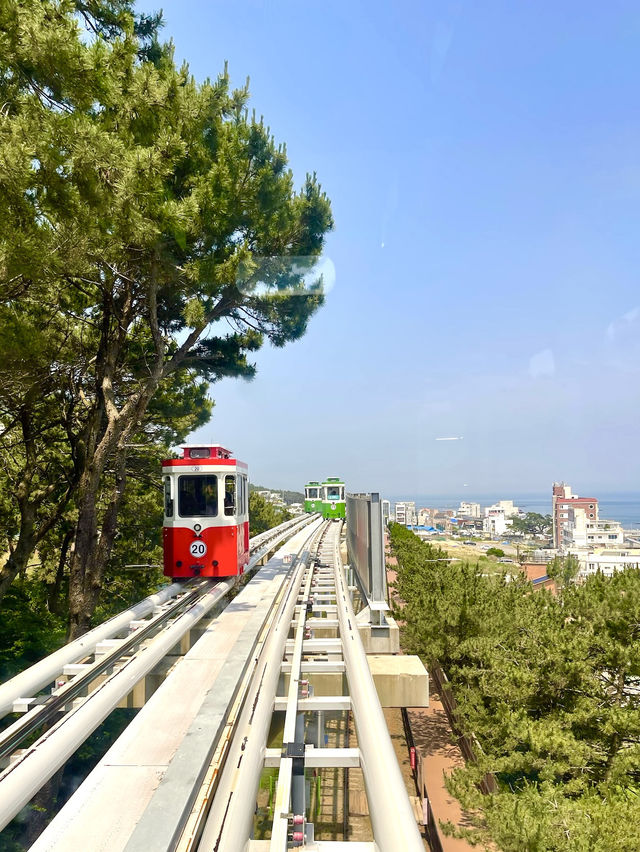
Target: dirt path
440,755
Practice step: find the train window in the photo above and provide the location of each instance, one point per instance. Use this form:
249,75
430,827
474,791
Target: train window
333,492
313,493
229,495
244,494
168,500
199,453
198,496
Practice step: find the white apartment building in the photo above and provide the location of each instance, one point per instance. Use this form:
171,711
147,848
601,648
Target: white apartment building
405,512
424,517
497,518
495,522
606,561
582,531
506,506
469,510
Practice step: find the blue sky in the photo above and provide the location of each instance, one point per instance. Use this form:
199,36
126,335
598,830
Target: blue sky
483,162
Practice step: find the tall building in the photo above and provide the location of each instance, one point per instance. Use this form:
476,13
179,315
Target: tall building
561,501
405,512
386,511
469,510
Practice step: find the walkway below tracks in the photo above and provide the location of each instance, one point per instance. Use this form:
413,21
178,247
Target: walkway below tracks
440,755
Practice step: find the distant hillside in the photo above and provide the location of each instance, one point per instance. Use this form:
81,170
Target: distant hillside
288,496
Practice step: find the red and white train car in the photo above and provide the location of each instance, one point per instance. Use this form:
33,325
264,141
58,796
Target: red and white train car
206,513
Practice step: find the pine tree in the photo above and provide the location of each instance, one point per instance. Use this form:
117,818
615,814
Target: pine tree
153,221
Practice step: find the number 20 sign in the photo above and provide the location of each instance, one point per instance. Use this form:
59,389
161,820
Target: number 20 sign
197,548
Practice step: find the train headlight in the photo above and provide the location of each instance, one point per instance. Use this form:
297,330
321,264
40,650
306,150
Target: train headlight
197,527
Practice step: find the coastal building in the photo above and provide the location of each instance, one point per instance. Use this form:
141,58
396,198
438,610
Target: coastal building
495,522
469,510
606,561
497,518
581,531
507,506
536,573
405,512
562,500
442,520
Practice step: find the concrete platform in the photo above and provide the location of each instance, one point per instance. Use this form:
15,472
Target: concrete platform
380,639
401,680
137,796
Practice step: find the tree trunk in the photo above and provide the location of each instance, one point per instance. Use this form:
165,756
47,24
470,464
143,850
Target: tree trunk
91,559
38,515
19,557
105,441
54,589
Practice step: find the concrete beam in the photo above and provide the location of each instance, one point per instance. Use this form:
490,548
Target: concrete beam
401,681
383,639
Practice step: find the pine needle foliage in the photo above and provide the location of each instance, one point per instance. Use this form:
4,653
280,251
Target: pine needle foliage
146,240
549,684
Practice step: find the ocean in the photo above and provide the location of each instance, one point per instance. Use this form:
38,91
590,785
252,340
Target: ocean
622,506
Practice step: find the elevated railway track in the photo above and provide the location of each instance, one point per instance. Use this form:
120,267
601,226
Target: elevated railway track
92,675
251,696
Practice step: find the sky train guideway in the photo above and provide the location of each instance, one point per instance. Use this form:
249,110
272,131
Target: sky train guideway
256,692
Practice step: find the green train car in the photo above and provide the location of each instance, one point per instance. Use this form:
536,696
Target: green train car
333,500
313,497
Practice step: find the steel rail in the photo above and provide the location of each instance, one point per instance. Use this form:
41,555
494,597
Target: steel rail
274,532
22,779
291,786
181,831
392,818
35,678
11,738
32,680
229,822
36,718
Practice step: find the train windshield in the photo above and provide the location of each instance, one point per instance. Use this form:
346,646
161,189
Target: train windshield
198,496
312,493
334,492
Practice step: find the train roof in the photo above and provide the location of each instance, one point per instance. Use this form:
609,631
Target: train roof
205,451
204,454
